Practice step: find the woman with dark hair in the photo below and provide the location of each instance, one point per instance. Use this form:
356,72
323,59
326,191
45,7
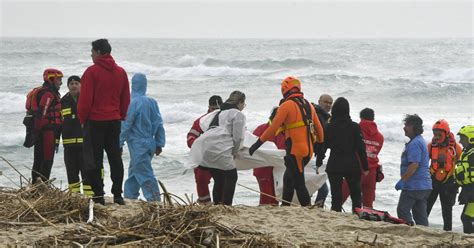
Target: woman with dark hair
415,181
216,149
348,156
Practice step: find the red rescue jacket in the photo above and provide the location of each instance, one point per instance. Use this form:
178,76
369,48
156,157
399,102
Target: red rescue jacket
48,115
195,131
105,92
373,140
279,141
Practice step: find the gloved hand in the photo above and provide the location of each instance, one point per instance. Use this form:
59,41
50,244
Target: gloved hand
158,151
255,146
399,185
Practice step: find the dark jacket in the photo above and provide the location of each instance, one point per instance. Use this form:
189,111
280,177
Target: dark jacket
344,138
323,116
71,130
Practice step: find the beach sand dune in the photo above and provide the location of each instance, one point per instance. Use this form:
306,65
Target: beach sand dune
317,227
286,226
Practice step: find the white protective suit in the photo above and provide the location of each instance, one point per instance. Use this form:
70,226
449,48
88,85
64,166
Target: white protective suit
267,155
217,147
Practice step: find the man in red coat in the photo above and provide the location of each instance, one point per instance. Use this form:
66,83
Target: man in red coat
202,176
373,140
103,104
264,175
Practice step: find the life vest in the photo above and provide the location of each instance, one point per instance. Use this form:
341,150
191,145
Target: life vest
377,215
307,121
443,158
464,173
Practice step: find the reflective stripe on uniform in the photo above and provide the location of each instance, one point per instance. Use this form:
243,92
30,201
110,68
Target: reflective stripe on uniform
192,131
464,171
66,111
87,190
72,141
469,210
290,126
75,187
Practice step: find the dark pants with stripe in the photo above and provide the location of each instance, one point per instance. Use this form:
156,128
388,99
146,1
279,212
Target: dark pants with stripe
74,161
100,136
43,155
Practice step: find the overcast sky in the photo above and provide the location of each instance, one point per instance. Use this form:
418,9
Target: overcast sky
237,19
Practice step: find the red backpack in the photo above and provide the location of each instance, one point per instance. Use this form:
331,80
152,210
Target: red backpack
31,104
31,107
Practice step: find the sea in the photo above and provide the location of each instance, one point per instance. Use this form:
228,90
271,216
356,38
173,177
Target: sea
432,78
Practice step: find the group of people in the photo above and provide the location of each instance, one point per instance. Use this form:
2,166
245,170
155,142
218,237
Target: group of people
97,115
303,129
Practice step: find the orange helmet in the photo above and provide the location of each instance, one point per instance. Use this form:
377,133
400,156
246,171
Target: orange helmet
290,83
50,73
442,125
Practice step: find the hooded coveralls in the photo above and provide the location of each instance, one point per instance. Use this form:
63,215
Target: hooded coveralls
143,130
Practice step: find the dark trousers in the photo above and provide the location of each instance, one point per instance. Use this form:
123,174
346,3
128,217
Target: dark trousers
74,161
100,136
353,181
43,155
224,185
293,179
322,194
447,196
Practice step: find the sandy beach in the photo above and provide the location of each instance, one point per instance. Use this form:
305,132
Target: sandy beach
284,226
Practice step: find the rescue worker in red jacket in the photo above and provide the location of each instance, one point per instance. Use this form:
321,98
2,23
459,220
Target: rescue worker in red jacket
202,176
444,152
103,104
264,175
373,140
46,124
302,131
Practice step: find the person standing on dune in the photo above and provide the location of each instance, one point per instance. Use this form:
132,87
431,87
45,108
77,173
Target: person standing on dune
103,103
298,119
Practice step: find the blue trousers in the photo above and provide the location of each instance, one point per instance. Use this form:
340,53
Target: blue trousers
140,174
413,202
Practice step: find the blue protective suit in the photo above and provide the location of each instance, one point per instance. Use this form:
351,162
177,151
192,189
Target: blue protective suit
143,131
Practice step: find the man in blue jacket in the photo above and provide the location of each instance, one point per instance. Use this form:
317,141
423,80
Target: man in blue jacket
144,133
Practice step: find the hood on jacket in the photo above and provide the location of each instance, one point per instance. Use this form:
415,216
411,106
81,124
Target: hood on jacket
368,128
139,83
340,110
106,61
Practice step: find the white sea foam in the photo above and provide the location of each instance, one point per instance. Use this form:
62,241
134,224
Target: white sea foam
12,103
